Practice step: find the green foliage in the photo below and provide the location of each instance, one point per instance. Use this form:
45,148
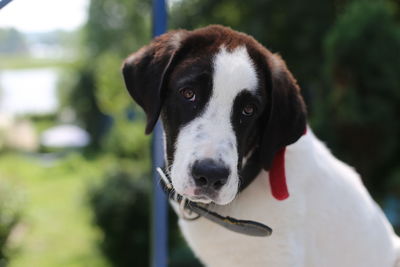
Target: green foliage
81,97
118,26
55,229
295,29
42,122
363,68
96,92
67,39
15,52
11,201
12,42
19,61
114,29
110,90
126,139
120,207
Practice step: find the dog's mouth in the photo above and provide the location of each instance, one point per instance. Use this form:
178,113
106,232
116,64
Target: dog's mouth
206,195
200,195
201,199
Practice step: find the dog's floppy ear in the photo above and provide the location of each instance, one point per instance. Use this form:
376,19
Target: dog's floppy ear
285,117
144,73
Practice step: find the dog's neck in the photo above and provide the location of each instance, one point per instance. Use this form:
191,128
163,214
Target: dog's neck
277,177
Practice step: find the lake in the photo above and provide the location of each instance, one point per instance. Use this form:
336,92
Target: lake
28,91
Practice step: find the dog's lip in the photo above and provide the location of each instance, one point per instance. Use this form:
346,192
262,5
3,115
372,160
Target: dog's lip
194,193
199,198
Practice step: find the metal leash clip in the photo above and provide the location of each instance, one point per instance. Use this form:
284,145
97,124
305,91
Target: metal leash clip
185,213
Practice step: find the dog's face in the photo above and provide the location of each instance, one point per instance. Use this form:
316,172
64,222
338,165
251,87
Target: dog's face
210,110
223,99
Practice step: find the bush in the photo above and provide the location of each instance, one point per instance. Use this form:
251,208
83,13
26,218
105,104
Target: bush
10,215
120,206
361,106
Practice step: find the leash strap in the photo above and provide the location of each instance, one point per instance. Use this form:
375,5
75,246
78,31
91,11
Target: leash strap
246,227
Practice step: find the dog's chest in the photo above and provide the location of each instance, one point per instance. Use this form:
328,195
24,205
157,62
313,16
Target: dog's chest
217,246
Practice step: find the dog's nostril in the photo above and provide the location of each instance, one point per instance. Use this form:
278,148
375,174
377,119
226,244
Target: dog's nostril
202,181
218,184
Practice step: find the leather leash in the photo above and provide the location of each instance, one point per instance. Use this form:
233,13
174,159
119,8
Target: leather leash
188,207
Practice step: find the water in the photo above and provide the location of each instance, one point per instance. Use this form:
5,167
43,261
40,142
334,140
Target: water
30,91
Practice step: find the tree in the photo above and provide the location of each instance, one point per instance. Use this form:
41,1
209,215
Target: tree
295,29
363,69
12,42
114,29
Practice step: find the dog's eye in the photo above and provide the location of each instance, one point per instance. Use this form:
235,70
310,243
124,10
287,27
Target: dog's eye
188,94
248,110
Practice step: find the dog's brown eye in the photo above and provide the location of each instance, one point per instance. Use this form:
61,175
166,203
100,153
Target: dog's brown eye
188,94
248,110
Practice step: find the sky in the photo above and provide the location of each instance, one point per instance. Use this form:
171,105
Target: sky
44,15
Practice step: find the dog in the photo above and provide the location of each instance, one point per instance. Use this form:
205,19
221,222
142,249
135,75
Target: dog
234,120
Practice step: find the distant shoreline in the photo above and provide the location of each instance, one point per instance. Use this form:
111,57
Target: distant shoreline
26,62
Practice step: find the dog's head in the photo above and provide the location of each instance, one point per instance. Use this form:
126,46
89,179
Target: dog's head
224,100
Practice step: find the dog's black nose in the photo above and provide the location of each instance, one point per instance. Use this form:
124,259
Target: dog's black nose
209,174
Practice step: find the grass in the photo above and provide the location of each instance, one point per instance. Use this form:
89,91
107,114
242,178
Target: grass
26,62
57,229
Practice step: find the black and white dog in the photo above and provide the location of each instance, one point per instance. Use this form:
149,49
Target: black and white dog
230,109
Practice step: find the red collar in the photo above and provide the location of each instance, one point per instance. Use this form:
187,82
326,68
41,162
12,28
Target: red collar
277,175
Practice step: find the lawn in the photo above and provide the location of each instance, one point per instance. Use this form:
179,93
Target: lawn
56,228
25,62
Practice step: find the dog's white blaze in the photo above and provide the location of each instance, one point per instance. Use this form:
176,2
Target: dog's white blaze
211,135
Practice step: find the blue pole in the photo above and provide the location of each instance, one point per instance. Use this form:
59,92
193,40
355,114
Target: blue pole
160,204
3,3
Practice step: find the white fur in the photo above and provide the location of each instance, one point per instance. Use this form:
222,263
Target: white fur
211,135
329,220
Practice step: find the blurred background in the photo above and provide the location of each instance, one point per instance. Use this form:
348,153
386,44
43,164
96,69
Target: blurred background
75,185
